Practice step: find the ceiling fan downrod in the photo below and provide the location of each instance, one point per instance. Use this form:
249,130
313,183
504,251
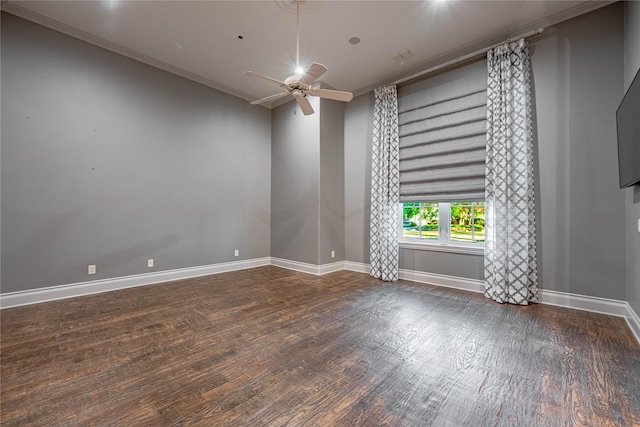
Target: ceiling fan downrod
303,82
298,68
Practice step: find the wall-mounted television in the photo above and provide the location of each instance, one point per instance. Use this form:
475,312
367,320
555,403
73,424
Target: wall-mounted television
628,125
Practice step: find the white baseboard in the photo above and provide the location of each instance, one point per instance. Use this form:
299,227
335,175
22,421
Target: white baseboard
561,299
443,280
330,268
357,267
423,277
317,270
633,320
35,296
15,299
611,307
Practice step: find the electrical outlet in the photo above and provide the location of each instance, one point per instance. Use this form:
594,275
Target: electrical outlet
150,263
236,252
91,269
333,254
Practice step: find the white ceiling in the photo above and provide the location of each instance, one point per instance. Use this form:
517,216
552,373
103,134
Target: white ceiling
199,39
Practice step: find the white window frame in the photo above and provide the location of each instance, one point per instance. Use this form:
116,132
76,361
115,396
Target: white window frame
444,242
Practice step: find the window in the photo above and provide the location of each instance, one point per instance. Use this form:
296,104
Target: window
455,222
467,222
442,129
420,220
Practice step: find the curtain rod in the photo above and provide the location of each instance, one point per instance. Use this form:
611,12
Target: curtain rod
465,57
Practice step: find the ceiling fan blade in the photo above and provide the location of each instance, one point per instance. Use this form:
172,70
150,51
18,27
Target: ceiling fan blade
336,95
269,98
305,105
263,77
313,73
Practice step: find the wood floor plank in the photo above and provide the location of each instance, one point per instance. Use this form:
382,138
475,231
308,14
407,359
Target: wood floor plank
272,347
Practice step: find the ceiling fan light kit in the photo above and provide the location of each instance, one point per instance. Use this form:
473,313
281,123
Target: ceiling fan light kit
301,84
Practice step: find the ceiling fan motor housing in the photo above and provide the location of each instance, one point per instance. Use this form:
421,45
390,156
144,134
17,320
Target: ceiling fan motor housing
292,81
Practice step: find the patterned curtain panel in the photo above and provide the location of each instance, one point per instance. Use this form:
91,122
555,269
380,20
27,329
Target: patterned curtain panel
385,186
510,245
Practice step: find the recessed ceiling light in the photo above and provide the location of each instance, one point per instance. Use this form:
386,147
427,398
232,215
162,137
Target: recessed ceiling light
112,4
354,40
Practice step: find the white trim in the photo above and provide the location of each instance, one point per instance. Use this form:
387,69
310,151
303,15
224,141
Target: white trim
16,299
611,307
443,243
633,320
45,21
455,56
35,296
357,267
561,299
441,247
330,268
606,306
454,282
303,267
431,65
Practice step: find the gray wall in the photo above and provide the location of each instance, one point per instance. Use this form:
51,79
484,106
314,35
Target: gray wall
307,192
108,161
578,75
358,131
331,214
295,177
632,65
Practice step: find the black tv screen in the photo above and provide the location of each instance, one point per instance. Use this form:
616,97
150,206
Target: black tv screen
628,125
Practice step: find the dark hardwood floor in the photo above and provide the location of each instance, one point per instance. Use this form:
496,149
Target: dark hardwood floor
273,347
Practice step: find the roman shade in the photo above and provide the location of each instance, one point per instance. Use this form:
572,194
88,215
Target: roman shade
442,123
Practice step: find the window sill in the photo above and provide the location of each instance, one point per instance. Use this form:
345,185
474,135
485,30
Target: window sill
441,247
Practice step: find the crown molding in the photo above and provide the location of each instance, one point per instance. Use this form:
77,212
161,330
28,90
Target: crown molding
580,9
17,10
469,49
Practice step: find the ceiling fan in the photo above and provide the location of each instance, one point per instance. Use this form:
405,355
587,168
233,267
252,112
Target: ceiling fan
301,84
